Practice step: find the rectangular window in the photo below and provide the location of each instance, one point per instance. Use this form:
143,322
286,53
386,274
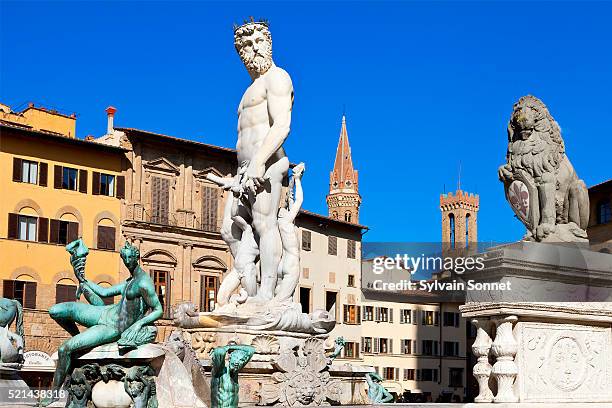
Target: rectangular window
448,319
350,249
209,285
428,348
428,318
409,374
383,346
68,232
351,314
69,178
24,292
383,314
455,376
332,245
161,280
368,313
405,315
351,281
451,348
305,299
331,300
406,346
210,201
427,374
367,344
29,172
27,228
107,185
388,373
351,350
306,240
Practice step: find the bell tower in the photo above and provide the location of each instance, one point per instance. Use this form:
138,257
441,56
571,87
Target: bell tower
459,220
343,200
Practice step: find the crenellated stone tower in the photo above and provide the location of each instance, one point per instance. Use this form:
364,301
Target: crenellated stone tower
459,219
343,200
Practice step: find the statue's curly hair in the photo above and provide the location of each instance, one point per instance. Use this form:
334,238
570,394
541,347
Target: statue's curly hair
545,123
248,29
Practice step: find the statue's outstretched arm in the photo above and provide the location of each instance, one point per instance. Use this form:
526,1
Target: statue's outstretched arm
298,200
280,101
102,291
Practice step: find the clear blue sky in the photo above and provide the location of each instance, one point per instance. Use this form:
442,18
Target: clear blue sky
424,84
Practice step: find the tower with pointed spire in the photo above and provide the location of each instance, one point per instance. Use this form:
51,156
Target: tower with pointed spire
343,200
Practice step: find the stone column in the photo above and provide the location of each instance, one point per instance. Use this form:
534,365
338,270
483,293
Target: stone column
505,369
482,369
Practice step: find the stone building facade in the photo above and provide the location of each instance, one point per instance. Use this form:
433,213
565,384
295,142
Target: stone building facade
173,215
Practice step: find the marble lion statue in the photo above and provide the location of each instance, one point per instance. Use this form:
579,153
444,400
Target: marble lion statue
536,157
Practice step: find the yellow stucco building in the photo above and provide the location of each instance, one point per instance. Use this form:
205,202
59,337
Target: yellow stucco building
54,188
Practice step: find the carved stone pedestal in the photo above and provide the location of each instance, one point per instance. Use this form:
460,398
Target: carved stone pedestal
147,376
552,331
288,368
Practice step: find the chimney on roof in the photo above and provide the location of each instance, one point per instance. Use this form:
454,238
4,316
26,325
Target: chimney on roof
110,112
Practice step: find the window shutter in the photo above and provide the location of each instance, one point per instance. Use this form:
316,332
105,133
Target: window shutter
358,309
13,226
54,231
402,317
30,295
43,175
457,321
418,374
396,373
362,345
120,193
356,351
83,181
435,348
390,346
65,293
160,199
106,237
390,315
8,289
43,230
376,314
73,231
95,183
376,345
57,176
332,245
415,317
436,318
414,347
209,208
17,169
306,240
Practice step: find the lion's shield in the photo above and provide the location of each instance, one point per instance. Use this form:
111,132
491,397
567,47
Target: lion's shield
522,194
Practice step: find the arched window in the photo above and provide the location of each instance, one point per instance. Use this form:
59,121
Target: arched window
335,215
23,289
451,221
347,216
467,229
65,291
604,211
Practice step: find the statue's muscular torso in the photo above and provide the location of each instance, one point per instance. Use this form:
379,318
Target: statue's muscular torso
253,117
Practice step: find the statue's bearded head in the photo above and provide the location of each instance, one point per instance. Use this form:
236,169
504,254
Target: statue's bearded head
253,43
